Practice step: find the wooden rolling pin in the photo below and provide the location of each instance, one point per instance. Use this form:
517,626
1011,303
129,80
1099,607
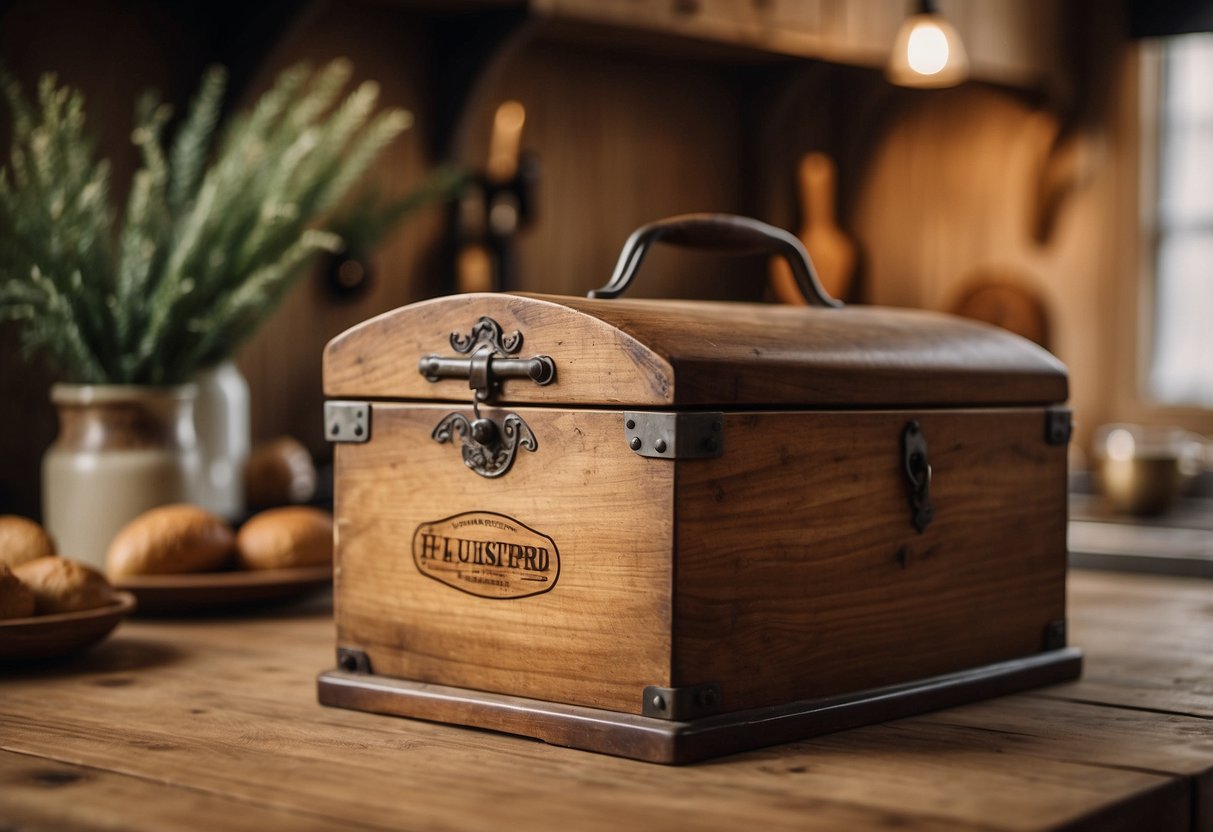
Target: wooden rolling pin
832,251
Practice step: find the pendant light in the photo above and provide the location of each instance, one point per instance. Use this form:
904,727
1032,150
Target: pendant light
927,51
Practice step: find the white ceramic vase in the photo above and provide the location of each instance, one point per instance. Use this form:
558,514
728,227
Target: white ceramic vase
120,451
221,419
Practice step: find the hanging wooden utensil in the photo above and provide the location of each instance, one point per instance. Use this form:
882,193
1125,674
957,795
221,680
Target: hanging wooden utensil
833,252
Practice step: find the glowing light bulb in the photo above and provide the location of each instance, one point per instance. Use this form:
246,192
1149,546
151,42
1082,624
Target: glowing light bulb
927,50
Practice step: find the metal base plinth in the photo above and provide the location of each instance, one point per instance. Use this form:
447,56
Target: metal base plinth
665,741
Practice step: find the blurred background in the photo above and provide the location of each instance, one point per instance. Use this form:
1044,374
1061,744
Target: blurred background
1052,172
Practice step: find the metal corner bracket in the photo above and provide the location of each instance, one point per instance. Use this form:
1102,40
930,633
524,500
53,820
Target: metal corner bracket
1054,636
1059,425
353,661
347,421
678,704
675,435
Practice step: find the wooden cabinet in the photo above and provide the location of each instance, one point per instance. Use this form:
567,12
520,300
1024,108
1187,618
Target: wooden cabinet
1009,41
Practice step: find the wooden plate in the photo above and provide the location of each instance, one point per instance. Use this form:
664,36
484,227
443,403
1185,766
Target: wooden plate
205,591
46,636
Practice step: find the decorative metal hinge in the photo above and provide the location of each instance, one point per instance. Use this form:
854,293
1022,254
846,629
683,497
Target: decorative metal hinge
675,435
353,661
1059,425
489,363
690,702
347,421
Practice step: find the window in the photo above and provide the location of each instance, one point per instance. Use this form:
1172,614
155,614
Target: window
1181,365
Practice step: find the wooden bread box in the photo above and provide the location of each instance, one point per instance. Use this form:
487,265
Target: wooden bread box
670,530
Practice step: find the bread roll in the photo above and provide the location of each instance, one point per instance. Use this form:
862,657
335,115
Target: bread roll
281,538
170,540
279,473
61,585
22,540
16,599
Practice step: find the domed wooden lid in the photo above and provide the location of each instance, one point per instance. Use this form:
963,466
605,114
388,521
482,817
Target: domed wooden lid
664,353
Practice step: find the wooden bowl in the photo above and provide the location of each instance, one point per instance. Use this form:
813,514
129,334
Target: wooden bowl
48,636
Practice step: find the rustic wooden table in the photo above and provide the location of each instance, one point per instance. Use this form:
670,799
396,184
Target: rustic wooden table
212,723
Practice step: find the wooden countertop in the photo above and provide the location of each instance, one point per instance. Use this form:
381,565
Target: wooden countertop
212,723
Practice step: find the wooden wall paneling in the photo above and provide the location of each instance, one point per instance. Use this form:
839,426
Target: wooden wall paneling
144,47
949,194
838,110
30,424
800,115
622,138
282,362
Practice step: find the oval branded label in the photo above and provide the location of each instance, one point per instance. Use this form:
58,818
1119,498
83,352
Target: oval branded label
487,554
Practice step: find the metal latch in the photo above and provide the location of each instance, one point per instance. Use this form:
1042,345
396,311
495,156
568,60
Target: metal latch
347,421
675,435
489,363
487,448
917,468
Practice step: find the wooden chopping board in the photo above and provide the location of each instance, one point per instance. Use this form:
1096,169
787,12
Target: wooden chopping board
1007,300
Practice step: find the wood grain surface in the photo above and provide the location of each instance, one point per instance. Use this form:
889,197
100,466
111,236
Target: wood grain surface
786,569
597,638
680,742
645,352
595,362
1160,638
800,573
213,723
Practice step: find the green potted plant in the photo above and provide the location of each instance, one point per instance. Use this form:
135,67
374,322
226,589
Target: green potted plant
127,311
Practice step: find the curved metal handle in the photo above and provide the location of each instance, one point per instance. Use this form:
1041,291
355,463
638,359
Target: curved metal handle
717,232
